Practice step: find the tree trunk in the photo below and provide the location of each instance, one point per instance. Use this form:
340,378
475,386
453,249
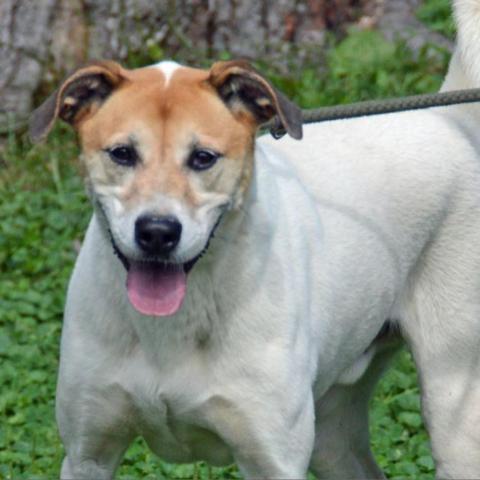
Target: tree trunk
398,21
24,30
40,41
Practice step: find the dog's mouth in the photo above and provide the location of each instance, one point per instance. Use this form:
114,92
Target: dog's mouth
156,287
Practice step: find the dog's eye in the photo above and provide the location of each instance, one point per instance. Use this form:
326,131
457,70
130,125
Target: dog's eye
123,155
202,159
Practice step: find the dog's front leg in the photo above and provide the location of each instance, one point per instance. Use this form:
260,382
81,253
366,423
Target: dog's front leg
94,424
96,458
271,440
73,469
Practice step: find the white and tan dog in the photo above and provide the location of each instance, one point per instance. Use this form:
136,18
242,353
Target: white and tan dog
265,351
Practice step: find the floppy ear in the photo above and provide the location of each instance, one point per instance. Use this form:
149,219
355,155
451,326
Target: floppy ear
80,95
242,88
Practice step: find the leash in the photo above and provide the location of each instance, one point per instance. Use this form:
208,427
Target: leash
380,107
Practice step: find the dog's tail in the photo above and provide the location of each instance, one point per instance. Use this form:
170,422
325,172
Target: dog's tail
464,70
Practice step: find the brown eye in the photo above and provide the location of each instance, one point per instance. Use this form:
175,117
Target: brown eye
124,155
201,159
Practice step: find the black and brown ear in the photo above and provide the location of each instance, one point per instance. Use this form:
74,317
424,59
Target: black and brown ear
78,96
241,87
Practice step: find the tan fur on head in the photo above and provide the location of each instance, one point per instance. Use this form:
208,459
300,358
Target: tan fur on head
165,117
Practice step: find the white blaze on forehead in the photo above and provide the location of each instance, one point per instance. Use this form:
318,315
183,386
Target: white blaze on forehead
168,68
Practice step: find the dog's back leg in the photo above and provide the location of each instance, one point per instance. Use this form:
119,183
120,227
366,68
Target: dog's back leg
441,322
342,444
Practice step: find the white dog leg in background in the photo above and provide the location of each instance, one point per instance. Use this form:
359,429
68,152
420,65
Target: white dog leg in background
442,325
449,369
342,440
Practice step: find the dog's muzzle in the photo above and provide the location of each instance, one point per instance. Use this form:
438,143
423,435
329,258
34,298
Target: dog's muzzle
155,286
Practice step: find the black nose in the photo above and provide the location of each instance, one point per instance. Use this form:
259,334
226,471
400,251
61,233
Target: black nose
157,235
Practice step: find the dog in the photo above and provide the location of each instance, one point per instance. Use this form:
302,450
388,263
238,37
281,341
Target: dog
237,298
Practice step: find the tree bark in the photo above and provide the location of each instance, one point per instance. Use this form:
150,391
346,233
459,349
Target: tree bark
23,51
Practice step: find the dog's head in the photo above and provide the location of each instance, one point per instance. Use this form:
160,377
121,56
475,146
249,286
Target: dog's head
167,150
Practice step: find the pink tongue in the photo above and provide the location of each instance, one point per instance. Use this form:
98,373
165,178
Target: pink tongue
156,289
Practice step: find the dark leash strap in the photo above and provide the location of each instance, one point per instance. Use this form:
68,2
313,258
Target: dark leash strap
380,107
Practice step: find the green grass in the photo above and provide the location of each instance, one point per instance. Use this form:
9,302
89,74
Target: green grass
437,15
43,214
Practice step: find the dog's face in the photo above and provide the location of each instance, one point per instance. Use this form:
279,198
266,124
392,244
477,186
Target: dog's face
167,150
